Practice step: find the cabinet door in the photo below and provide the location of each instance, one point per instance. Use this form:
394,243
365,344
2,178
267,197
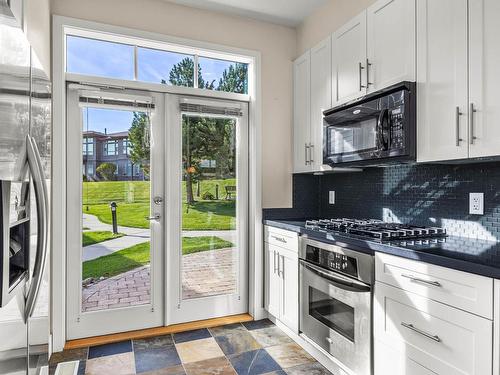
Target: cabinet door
349,60
442,338
484,73
321,96
301,112
289,266
390,43
442,80
273,281
388,361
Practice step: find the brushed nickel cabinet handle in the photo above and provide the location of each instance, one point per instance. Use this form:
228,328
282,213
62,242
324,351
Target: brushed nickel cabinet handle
311,153
306,148
420,332
471,123
418,280
457,121
274,263
279,239
360,68
368,64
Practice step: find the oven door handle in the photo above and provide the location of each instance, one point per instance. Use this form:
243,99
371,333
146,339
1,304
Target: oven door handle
338,280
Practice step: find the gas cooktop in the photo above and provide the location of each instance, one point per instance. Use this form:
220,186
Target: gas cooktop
376,229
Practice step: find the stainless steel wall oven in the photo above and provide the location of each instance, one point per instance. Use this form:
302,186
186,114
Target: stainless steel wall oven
336,302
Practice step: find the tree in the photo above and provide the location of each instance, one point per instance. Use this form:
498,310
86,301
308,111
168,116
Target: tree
234,79
138,136
106,171
182,74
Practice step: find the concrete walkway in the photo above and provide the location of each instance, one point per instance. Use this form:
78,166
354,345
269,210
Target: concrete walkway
135,236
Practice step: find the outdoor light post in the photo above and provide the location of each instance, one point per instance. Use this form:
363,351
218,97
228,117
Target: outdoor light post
113,216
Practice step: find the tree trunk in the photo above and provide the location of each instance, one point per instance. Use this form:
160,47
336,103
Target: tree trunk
189,188
189,178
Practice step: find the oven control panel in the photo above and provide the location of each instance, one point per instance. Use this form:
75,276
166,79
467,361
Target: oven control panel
332,260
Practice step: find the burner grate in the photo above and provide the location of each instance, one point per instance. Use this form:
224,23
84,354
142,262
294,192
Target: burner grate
375,229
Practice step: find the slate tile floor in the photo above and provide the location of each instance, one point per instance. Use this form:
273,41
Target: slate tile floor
251,348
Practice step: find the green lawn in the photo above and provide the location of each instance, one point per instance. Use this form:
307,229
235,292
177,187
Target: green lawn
132,198
138,255
91,238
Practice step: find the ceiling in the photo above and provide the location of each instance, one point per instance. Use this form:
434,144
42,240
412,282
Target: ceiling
284,12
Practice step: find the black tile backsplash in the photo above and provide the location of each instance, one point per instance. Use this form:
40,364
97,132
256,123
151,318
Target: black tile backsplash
412,194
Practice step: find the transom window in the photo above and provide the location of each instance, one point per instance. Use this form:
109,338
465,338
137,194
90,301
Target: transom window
131,62
110,148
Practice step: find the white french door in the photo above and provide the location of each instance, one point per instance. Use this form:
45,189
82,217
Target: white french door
115,161
207,208
175,171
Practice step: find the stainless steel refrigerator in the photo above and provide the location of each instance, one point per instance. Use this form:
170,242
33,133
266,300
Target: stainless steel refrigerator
25,144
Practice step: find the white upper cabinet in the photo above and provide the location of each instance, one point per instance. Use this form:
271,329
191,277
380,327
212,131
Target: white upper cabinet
321,96
442,109
301,112
349,60
390,43
484,73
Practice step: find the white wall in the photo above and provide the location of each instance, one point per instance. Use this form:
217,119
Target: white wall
37,28
325,20
276,44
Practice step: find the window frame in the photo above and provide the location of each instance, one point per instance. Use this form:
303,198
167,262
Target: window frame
108,142
86,144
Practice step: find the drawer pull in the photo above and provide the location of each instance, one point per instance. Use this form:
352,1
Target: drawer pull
420,332
417,280
279,239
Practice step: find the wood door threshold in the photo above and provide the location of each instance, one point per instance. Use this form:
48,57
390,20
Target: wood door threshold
157,331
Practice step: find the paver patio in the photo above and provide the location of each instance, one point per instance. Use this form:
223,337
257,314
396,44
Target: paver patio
204,274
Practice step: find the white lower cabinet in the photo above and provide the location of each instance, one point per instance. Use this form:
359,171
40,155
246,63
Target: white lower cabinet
282,284
414,334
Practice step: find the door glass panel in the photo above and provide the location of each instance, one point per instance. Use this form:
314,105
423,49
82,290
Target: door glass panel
209,250
332,313
116,203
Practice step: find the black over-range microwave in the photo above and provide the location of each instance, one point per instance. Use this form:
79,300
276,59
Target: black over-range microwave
377,129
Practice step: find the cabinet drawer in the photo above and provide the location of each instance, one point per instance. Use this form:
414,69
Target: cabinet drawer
463,290
441,338
282,238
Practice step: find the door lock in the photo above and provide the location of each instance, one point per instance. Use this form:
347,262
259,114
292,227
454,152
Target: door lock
158,200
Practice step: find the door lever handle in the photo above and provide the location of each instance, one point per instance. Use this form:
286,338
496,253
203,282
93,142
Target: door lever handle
156,217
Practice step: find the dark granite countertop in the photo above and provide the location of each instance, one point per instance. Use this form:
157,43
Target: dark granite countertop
464,254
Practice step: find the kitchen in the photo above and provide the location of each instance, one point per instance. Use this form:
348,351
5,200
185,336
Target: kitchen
345,221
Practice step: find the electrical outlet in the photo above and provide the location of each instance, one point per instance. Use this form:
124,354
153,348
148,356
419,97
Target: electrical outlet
331,197
476,203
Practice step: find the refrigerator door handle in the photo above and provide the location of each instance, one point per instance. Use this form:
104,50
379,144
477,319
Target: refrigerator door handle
36,170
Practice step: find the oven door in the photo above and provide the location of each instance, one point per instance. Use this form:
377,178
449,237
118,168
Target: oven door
335,312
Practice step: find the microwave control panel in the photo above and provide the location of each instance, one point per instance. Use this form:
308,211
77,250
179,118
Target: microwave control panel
397,128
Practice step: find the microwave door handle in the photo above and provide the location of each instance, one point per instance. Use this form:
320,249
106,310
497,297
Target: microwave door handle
36,169
382,143
338,280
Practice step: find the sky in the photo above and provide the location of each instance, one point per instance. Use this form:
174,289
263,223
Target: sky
106,59
98,119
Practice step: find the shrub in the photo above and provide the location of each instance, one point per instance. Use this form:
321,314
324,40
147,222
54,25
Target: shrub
106,171
207,196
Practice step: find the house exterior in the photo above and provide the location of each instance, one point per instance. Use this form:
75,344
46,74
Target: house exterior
112,148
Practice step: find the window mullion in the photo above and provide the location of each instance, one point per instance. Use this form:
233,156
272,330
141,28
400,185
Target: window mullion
195,78
135,64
